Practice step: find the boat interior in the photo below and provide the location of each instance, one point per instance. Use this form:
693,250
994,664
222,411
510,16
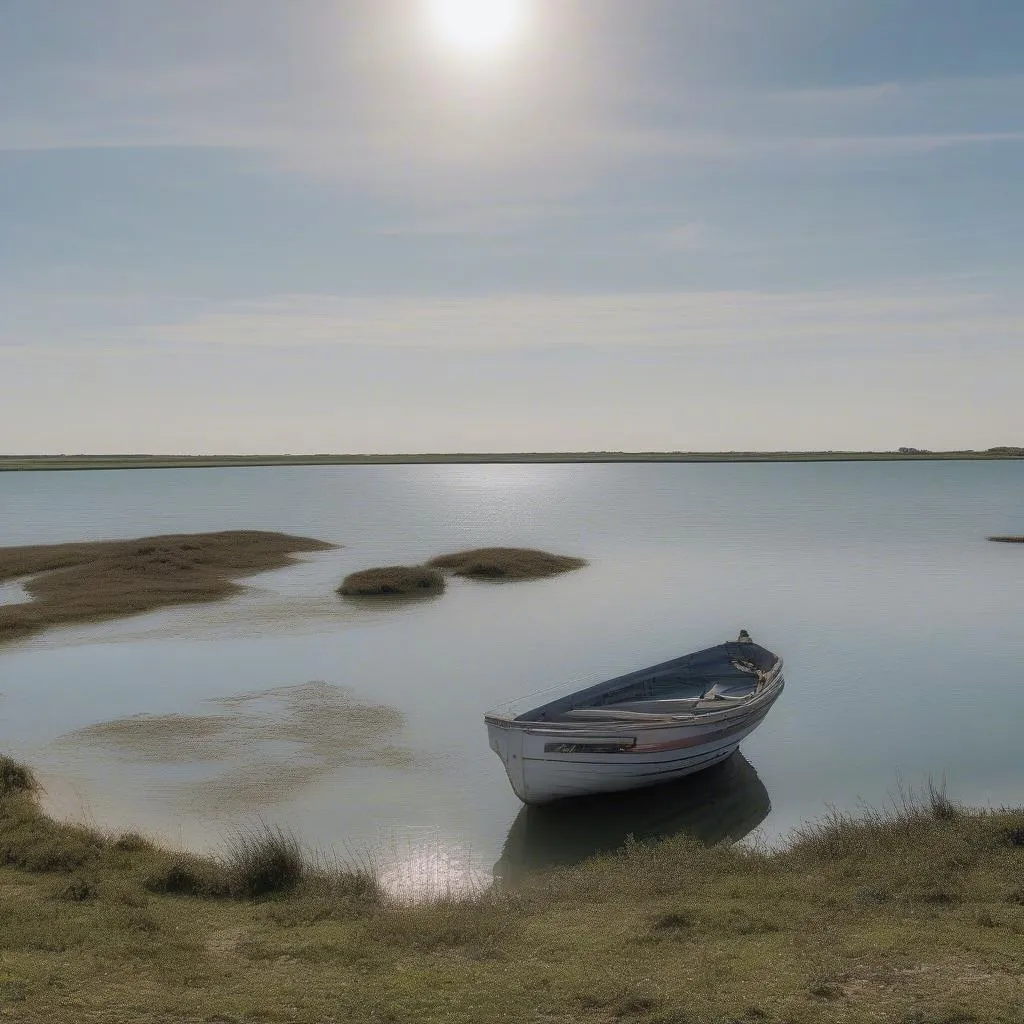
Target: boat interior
704,680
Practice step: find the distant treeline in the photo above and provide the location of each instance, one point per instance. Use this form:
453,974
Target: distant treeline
152,461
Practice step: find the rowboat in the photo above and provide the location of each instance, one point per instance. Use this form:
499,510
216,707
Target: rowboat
641,729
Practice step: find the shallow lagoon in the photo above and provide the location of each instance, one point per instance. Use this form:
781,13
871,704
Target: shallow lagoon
899,624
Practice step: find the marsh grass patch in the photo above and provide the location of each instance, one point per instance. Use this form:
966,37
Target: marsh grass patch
477,925
133,842
32,842
505,563
188,875
911,817
78,890
263,859
99,580
393,581
16,777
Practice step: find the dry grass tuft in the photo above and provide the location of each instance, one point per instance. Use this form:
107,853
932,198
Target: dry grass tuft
264,860
109,579
506,563
188,875
392,581
16,778
912,817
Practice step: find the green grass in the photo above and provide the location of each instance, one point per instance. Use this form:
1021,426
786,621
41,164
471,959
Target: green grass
913,914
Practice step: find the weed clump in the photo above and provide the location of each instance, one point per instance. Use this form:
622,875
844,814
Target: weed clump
16,778
506,563
475,925
189,876
914,818
263,860
132,842
392,581
78,890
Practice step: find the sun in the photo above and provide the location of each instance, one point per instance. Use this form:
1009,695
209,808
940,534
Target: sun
477,28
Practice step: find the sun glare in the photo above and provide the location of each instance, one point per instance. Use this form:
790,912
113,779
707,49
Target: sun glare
477,28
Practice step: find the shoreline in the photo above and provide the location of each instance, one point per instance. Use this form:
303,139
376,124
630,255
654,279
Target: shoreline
33,463
912,913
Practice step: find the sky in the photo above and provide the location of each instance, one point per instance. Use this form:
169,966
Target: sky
336,226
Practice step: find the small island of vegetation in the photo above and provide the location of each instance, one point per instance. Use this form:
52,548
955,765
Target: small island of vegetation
98,580
506,563
392,581
1008,540
478,563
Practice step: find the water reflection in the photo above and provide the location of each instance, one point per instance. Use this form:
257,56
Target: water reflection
14,592
726,802
432,867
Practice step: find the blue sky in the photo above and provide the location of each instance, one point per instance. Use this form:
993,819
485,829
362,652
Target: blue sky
248,226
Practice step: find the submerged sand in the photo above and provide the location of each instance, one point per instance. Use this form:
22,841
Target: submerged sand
109,579
263,747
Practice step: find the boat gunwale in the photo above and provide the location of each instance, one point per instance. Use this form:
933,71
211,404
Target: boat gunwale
770,687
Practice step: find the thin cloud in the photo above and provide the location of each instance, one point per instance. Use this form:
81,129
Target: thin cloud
725,319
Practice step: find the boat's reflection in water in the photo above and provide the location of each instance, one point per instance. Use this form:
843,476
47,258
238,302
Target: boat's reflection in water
723,803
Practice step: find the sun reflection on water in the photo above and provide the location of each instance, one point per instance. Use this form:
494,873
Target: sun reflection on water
429,867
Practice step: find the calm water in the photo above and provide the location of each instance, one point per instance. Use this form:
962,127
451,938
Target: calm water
899,623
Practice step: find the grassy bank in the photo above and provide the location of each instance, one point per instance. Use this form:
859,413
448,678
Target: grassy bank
915,916
54,462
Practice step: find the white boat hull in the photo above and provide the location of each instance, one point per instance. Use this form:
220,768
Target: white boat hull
546,763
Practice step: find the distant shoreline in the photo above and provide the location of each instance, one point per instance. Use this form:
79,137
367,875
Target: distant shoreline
22,463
